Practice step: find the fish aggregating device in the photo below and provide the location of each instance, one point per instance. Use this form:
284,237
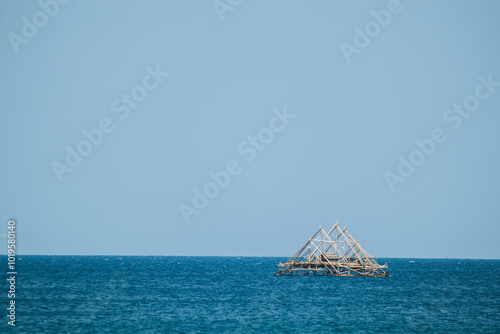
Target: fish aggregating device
333,253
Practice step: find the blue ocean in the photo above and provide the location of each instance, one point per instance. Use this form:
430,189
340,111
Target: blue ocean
135,294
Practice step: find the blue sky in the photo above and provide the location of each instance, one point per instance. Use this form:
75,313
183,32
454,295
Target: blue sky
304,132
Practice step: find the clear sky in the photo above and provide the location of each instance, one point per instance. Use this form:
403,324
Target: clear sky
239,127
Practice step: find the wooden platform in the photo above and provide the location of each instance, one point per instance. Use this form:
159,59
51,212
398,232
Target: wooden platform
332,254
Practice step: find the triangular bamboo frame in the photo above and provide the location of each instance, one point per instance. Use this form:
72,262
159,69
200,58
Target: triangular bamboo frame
325,255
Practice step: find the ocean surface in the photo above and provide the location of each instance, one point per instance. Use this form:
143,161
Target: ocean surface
135,294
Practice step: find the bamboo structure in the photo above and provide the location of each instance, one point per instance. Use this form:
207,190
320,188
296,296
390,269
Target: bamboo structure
335,253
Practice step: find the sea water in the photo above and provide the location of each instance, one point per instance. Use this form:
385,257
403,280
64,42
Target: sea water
135,294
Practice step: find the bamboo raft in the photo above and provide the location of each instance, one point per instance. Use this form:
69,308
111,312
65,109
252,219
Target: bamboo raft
332,254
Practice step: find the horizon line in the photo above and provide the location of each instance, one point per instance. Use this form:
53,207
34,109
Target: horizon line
240,256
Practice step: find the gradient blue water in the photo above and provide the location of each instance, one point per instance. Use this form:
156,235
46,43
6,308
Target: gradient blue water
103,294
